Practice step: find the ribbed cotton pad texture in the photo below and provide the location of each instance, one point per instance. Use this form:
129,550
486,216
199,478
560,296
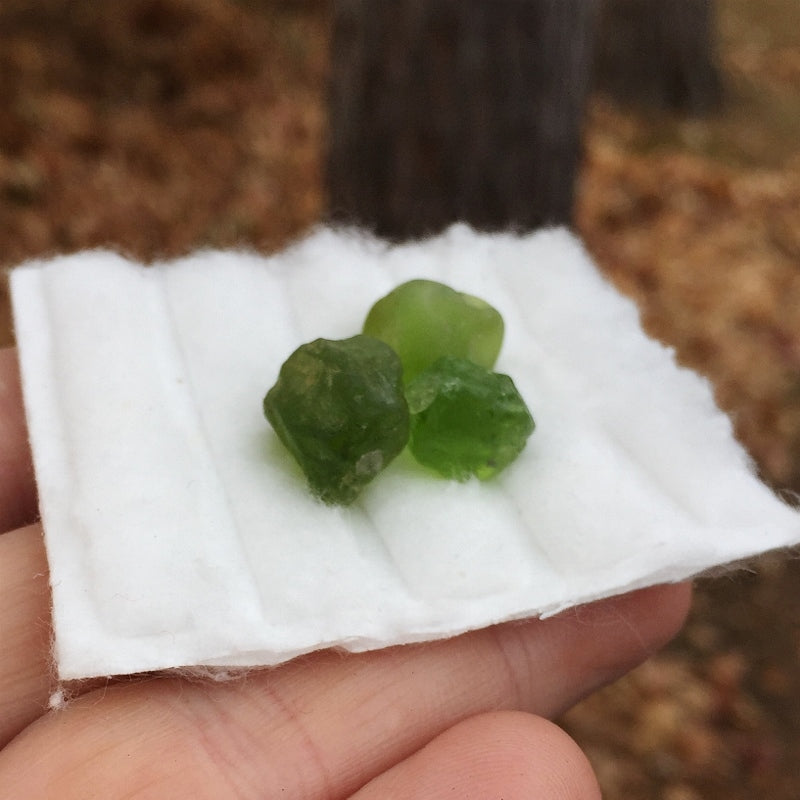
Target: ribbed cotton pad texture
179,533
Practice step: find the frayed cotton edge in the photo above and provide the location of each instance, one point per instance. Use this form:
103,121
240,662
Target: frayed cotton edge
66,691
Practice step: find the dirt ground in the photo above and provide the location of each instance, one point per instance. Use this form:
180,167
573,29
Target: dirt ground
159,126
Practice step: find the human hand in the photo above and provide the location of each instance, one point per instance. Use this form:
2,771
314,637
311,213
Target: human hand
459,718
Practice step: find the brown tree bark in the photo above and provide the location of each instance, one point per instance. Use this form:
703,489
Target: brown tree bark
659,54
457,110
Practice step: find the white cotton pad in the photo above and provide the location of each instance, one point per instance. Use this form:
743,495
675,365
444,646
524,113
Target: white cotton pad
180,533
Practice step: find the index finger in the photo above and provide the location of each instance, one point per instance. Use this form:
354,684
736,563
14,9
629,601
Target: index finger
17,484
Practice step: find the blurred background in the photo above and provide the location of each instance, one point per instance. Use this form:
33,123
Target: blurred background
155,127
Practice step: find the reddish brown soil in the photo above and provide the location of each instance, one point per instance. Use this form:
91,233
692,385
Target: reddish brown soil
159,126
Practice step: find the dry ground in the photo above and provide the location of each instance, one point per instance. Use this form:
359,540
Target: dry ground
157,126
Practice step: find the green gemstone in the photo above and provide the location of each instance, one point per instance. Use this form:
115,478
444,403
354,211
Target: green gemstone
423,320
466,420
339,408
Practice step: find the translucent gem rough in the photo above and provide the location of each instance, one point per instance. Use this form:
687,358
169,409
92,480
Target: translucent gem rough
424,320
466,420
339,408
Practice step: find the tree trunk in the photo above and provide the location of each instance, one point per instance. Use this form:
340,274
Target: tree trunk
457,110
659,53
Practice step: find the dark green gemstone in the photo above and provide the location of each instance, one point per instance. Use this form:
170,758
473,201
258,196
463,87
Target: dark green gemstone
424,320
339,408
466,420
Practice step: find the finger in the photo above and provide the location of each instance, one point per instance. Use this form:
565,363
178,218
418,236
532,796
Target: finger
17,487
26,675
324,725
508,754
24,631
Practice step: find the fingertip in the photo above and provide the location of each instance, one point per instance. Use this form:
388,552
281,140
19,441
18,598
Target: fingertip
506,754
531,754
640,622
648,618
674,601
594,644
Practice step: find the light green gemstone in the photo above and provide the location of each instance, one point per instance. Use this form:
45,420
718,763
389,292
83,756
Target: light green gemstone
339,408
424,320
466,420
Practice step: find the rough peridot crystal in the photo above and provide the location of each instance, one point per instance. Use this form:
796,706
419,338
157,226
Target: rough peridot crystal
466,420
339,408
424,320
